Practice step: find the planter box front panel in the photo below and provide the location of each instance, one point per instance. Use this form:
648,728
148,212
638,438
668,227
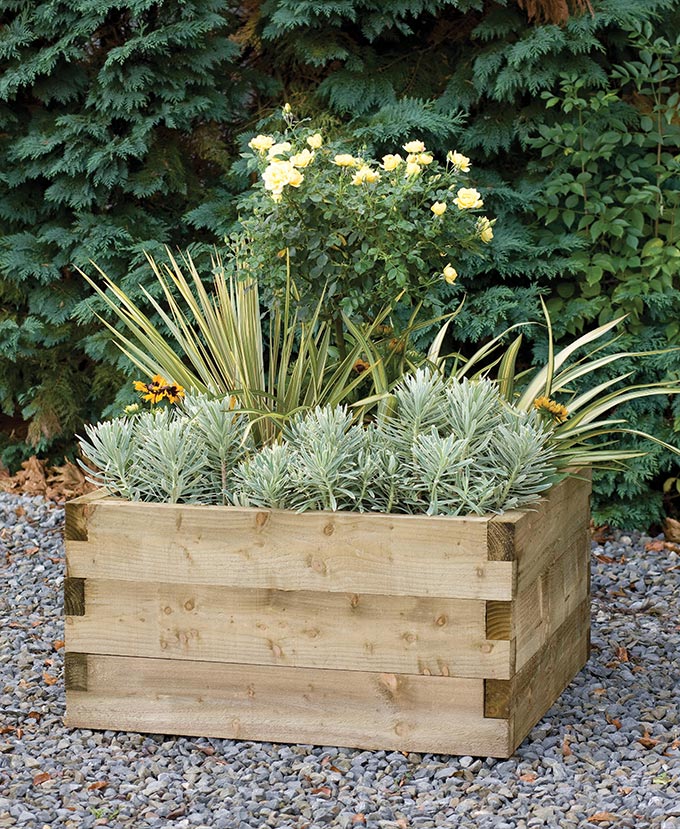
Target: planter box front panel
408,555
375,631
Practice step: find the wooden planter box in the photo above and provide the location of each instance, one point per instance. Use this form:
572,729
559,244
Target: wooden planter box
451,635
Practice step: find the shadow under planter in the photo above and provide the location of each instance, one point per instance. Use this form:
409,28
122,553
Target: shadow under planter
415,633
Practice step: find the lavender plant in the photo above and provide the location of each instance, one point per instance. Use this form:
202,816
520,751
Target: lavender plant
446,447
184,454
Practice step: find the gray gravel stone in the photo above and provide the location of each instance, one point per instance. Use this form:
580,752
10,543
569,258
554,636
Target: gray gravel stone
158,782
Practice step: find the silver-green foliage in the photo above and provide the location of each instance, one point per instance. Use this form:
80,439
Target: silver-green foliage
317,466
182,455
222,434
447,447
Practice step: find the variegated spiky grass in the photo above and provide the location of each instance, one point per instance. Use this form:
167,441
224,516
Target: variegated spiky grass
588,436
216,343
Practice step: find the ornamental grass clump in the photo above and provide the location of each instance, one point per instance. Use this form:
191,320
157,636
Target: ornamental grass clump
568,391
216,341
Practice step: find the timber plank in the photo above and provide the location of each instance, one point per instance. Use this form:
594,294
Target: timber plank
541,681
542,535
246,702
77,512
409,635
74,597
499,620
542,606
75,671
335,552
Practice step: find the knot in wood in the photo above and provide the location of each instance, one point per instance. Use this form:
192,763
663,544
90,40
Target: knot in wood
318,565
390,682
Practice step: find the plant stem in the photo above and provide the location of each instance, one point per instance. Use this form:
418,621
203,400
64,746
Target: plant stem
340,337
583,166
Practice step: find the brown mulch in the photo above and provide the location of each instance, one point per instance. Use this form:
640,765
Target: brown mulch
56,483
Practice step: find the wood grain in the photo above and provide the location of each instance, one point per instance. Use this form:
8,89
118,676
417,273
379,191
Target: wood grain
498,698
297,705
542,536
77,513
410,635
543,605
499,623
74,597
540,682
75,671
334,552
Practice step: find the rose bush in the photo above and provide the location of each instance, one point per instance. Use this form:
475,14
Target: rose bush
359,232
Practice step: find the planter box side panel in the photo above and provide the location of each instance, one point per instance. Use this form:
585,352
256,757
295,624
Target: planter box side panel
394,632
529,695
551,551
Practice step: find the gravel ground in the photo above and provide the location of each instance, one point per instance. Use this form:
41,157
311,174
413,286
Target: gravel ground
607,754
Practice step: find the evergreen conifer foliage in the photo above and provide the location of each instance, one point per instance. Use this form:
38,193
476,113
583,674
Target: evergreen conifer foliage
111,122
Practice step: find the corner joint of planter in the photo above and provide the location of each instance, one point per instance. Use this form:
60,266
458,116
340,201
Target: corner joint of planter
500,540
75,671
74,596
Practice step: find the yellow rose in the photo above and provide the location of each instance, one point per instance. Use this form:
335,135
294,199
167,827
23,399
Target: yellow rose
412,158
287,109
412,169
365,174
439,208
261,143
277,149
315,141
425,158
302,159
414,147
295,178
468,198
391,162
450,274
275,177
460,162
485,229
280,173
345,160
